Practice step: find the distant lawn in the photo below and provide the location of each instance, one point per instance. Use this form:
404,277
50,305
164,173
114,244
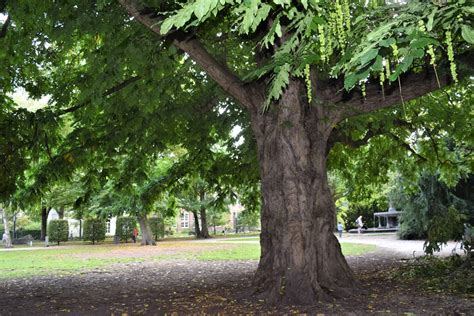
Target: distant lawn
252,252
59,261
53,261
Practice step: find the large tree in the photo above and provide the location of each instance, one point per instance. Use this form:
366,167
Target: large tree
297,70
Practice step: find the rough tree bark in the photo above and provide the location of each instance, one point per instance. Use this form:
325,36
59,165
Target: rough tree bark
61,213
301,260
204,229
147,235
44,221
6,228
196,224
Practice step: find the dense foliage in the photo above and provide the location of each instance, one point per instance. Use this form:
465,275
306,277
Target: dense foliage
157,227
58,230
124,228
434,212
94,230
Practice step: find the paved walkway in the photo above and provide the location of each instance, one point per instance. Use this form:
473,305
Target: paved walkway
390,241
386,241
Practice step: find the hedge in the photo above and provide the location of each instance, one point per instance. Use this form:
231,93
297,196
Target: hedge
58,230
94,230
124,228
35,233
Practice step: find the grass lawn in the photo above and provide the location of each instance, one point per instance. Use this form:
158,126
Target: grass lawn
57,260
252,252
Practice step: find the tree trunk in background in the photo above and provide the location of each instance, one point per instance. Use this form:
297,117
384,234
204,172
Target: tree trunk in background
8,240
61,213
301,260
196,224
147,235
44,221
204,229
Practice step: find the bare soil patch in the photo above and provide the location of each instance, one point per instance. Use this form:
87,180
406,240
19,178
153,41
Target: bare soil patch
187,286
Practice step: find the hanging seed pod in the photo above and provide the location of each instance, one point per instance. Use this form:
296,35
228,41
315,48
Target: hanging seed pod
340,25
387,68
322,44
362,89
394,51
347,14
307,75
430,50
449,43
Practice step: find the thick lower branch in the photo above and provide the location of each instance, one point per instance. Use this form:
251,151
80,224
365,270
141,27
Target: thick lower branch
192,46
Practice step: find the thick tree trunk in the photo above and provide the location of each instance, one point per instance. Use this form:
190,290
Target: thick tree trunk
196,224
8,240
44,221
204,229
147,235
61,213
301,260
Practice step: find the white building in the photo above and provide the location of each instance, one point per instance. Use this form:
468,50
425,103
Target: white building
74,224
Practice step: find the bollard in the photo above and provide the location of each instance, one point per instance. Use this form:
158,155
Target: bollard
46,241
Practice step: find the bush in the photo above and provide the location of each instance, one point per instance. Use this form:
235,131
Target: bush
58,230
124,228
94,230
35,233
157,227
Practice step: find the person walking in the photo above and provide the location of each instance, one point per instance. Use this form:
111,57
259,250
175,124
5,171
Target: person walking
339,229
135,234
359,224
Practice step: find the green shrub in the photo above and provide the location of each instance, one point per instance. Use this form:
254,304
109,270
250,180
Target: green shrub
35,233
157,227
124,228
58,230
94,230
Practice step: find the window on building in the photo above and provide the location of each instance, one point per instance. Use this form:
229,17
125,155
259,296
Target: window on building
184,220
107,228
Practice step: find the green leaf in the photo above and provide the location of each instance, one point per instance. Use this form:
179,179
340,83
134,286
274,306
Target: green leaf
406,63
368,56
280,81
381,31
429,25
467,33
350,81
201,8
387,42
278,29
469,9
423,42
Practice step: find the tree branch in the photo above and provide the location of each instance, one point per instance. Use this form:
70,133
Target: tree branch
3,31
110,91
413,85
407,146
227,80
